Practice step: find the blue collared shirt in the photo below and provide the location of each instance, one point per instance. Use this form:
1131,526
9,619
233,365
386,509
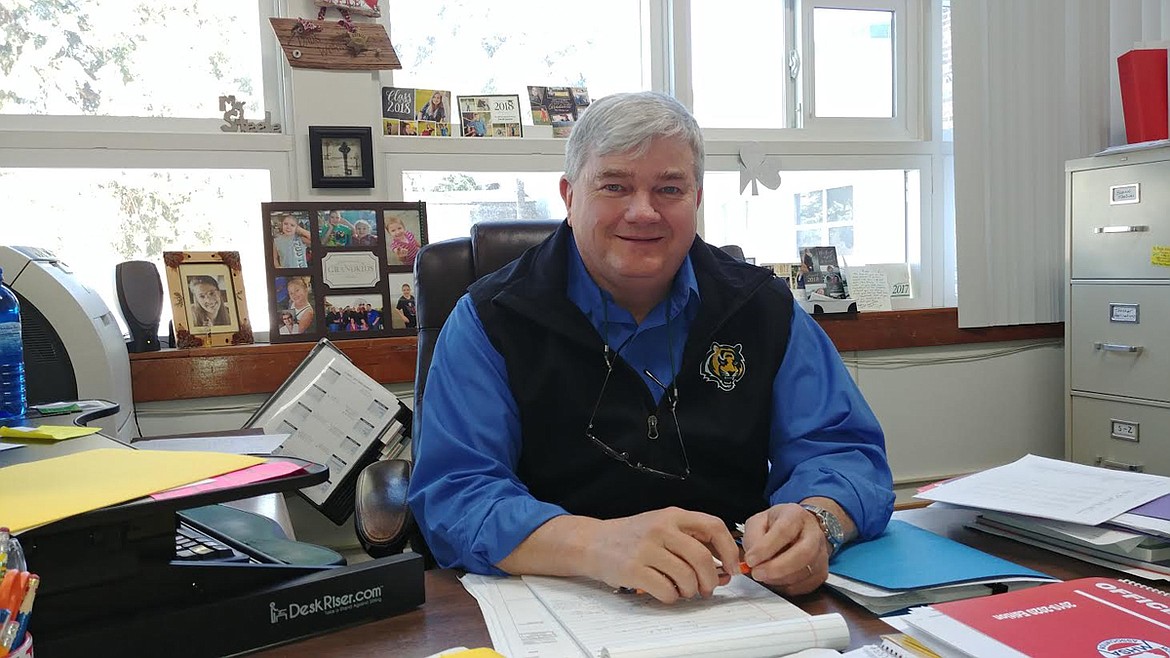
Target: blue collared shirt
825,440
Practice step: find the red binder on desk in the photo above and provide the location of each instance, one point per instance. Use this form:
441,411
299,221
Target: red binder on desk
1142,76
1090,617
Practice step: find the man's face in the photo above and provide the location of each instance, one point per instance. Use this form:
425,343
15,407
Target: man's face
634,217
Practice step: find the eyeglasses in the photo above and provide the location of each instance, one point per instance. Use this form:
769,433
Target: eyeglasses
652,431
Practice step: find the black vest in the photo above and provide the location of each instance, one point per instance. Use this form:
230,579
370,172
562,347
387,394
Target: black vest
556,368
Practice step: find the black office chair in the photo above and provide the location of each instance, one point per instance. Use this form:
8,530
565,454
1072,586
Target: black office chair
442,273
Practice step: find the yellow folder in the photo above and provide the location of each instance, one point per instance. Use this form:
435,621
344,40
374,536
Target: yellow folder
40,492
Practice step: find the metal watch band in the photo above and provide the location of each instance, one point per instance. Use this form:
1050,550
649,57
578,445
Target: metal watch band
830,525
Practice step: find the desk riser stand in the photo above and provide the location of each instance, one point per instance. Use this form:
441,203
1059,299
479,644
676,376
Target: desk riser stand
229,609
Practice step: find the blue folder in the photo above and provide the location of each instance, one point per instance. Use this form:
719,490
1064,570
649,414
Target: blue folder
906,557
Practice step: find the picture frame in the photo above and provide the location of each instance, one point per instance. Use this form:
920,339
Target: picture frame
206,295
336,269
341,156
490,115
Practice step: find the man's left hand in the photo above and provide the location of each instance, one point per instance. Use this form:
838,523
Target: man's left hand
786,548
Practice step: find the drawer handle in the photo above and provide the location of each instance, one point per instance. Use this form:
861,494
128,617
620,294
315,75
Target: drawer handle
1119,466
1114,347
1121,229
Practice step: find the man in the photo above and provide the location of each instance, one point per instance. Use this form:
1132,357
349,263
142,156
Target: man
611,402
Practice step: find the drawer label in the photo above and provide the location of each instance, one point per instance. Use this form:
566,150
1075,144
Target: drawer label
1119,194
1126,430
1124,313
1160,255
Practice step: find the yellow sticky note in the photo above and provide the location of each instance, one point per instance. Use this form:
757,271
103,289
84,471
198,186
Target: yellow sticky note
1160,256
40,492
47,432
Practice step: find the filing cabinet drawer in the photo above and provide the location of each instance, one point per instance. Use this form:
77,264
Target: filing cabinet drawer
1120,435
1119,339
1119,214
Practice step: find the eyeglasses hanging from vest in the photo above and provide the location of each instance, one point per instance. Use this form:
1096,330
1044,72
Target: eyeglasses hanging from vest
652,426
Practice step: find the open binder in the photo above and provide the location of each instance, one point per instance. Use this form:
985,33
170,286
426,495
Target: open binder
338,416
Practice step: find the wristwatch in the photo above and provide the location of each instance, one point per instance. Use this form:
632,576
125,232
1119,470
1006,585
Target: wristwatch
830,525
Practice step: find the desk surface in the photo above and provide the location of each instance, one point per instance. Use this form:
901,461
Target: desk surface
451,617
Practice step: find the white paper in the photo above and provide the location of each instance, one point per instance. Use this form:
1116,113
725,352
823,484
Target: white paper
240,444
870,288
1102,562
607,623
1089,534
958,635
518,623
1052,489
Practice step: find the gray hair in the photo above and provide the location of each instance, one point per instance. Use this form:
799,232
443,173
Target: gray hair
620,123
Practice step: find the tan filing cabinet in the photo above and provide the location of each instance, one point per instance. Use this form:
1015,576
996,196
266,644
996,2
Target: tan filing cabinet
1117,311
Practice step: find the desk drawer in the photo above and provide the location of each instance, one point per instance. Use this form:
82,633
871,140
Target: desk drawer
1120,435
1118,215
1114,356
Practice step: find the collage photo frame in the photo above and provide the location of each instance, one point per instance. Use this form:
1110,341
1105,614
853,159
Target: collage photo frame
342,270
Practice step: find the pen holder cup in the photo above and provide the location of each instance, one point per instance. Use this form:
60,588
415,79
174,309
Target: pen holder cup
25,650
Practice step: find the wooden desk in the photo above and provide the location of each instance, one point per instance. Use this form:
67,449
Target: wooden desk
451,617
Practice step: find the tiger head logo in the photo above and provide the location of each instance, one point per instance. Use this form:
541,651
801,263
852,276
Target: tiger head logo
724,365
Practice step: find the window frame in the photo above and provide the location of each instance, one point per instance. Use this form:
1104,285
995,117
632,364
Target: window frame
908,27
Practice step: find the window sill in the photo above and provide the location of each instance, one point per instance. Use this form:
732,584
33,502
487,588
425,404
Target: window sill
173,374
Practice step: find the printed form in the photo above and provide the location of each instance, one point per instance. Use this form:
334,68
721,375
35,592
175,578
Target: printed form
1052,489
538,617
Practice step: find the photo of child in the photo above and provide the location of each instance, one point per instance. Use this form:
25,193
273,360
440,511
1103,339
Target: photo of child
208,308
404,313
402,243
294,295
290,240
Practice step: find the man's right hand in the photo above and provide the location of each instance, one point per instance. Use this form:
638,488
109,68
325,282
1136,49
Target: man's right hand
667,553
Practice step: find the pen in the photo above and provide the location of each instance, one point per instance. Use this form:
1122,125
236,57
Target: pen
26,610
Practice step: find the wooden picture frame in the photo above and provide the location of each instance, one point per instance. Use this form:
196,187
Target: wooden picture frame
206,294
341,157
330,267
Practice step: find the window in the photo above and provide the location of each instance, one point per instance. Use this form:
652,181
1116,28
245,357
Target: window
853,51
740,67
483,47
165,58
93,219
458,199
869,215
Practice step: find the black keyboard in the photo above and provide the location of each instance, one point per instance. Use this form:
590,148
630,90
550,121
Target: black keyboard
191,544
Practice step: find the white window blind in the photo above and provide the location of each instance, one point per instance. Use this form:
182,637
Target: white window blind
1030,92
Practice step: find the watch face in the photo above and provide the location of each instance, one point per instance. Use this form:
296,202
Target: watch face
341,158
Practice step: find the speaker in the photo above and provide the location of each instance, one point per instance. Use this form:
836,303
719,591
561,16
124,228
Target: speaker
140,295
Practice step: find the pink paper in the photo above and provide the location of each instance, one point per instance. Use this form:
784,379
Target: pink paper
257,473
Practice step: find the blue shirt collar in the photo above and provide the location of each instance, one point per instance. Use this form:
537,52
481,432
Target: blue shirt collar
588,296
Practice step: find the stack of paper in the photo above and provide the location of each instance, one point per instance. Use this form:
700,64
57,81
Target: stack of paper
1085,617
907,566
1072,509
538,616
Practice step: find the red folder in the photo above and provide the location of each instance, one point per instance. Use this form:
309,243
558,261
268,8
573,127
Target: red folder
1090,617
1143,94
